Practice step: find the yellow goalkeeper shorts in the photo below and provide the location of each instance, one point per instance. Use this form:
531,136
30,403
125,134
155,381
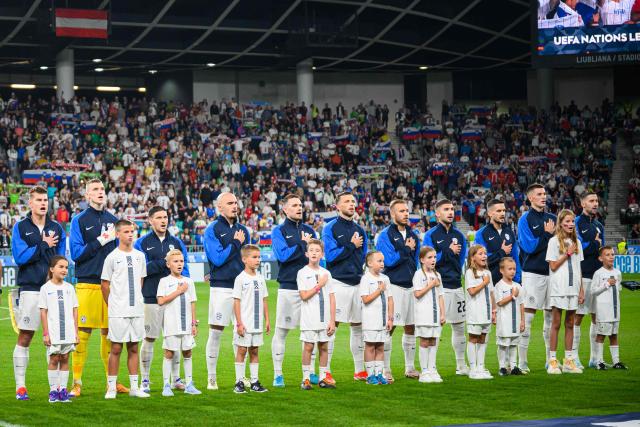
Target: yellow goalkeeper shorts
92,310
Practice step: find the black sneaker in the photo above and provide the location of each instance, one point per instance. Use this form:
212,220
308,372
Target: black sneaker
516,371
503,372
257,387
620,365
239,388
601,366
324,384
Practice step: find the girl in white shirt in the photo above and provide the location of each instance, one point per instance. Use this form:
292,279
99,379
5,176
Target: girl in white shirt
564,254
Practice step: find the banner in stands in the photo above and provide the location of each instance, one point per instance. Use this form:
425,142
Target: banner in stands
629,264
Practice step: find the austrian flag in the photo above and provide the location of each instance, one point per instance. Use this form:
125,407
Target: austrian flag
82,23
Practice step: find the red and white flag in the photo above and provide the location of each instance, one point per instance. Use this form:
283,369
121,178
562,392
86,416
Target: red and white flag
82,23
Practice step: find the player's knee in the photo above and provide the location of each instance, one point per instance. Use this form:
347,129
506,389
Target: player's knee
150,340
186,353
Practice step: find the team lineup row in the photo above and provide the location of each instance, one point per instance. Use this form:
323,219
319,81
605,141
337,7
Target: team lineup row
406,282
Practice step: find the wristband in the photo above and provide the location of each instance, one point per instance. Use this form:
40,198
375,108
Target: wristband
45,334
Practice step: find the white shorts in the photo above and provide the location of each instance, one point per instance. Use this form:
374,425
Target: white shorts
220,306
369,335
153,317
587,307
507,341
564,303
248,340
126,329
178,342
428,331
315,336
403,301
475,329
348,302
288,309
607,328
28,312
454,305
536,291
60,349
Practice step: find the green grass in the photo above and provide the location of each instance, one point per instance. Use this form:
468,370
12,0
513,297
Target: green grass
457,400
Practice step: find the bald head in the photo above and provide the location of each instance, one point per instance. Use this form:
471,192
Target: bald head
227,206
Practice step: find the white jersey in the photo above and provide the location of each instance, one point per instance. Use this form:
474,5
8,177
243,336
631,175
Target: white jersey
564,17
315,313
567,279
478,307
59,300
125,271
374,314
426,310
508,316
606,298
616,12
177,312
251,291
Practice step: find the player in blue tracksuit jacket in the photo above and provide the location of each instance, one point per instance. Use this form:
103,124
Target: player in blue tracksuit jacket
289,243
499,241
535,228
345,248
223,239
591,234
155,245
400,246
451,250
34,241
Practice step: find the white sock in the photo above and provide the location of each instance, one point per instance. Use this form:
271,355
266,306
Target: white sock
188,370
133,382
111,382
213,350
379,366
253,371
513,356
552,355
502,356
459,342
423,357
615,353
357,347
175,366
481,349
387,354
576,342
64,379
523,348
146,358
306,372
54,379
277,350
240,367
369,366
20,362
313,359
599,356
471,355
166,370
409,348
546,332
323,373
433,352
592,343
568,354
330,353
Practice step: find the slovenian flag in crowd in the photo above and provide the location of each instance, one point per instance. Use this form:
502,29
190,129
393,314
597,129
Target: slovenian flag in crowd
314,136
437,169
432,132
479,110
265,239
164,125
87,126
340,139
410,134
471,134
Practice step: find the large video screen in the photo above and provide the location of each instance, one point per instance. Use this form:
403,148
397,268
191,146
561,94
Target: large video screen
588,31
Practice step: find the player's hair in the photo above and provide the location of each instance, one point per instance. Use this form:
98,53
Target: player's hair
123,223
92,181
289,197
246,249
396,202
494,202
154,210
473,250
317,242
587,194
173,252
38,189
534,186
53,262
443,202
563,235
506,260
369,256
343,194
605,248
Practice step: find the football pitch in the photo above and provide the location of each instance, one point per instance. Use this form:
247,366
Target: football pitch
457,400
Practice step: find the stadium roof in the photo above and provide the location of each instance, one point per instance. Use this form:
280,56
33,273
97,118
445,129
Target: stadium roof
372,35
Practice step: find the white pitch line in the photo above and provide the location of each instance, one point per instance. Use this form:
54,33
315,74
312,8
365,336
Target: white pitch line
5,318
4,308
6,424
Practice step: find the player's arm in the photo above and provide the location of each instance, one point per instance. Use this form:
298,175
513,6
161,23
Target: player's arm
392,257
556,259
527,241
333,252
104,286
428,241
185,255
236,310
194,322
45,327
22,253
515,254
494,310
390,311
75,323
462,256
441,304
154,266
284,253
267,322
521,317
473,291
598,285
505,300
80,250
332,317
61,247
216,253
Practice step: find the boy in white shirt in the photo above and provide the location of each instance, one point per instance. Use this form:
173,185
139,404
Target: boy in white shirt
605,289
317,314
509,317
59,317
177,296
122,278
251,316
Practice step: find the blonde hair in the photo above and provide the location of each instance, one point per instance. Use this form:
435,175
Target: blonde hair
563,235
173,252
369,256
248,248
472,265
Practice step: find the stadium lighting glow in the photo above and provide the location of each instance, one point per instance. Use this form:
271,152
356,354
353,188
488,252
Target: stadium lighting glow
108,88
99,70
44,67
210,64
153,71
22,86
313,68
424,67
142,89
96,60
74,87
